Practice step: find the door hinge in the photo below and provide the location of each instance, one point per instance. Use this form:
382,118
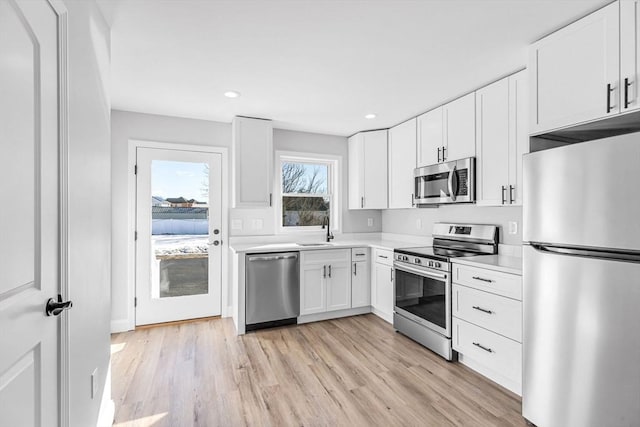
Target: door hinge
135,169
135,301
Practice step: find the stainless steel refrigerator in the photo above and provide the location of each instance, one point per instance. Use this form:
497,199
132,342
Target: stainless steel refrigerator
581,278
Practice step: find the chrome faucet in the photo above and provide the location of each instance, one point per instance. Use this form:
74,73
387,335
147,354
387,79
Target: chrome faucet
325,222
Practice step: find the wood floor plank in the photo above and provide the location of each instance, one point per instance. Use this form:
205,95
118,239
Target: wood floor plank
354,371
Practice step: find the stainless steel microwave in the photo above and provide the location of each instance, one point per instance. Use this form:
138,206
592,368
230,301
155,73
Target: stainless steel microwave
449,182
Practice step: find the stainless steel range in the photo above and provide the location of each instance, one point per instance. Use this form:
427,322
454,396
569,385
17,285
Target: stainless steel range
422,285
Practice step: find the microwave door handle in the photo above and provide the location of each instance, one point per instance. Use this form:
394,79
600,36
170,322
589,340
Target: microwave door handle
452,176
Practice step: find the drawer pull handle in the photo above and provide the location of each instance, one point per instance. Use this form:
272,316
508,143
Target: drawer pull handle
383,256
360,254
483,347
484,310
482,279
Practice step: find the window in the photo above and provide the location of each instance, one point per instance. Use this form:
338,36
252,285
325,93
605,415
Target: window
308,191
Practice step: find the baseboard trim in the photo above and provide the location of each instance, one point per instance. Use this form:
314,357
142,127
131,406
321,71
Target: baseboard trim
121,325
333,314
489,373
387,317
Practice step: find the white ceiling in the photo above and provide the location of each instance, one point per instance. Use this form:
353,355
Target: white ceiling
319,66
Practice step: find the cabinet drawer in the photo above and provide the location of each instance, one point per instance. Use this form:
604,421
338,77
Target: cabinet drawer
508,285
497,353
359,254
325,256
496,313
383,256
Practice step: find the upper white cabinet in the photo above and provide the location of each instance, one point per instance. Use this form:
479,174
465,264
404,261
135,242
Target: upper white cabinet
430,137
402,161
447,132
368,170
502,140
575,72
460,125
252,152
630,54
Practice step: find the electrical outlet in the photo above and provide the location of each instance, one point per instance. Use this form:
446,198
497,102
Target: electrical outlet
419,224
513,227
94,383
369,222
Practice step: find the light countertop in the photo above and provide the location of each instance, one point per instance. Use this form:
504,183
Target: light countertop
502,263
340,244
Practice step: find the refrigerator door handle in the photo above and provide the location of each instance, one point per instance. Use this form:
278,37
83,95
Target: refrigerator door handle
588,253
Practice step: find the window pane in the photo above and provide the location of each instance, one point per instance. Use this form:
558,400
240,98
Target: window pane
308,178
304,211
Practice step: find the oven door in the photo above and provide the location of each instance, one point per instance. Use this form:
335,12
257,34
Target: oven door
450,182
424,296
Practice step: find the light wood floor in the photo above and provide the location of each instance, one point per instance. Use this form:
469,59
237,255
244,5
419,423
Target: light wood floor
354,371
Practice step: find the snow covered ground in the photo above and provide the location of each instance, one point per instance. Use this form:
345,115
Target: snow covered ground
180,244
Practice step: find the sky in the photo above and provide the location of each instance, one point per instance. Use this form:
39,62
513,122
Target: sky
175,179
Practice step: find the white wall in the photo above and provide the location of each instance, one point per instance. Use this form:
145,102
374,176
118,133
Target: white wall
89,209
404,221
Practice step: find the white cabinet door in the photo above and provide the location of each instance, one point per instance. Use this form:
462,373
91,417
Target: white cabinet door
375,170
356,171
360,284
339,286
430,137
252,162
460,126
313,288
519,130
383,289
629,54
573,70
492,161
402,162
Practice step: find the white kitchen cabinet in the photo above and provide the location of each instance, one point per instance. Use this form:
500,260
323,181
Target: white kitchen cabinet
447,132
575,72
430,137
629,55
360,278
368,170
502,140
402,162
325,281
252,152
487,323
382,296
460,126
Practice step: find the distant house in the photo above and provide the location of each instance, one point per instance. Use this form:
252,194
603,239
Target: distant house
181,202
159,201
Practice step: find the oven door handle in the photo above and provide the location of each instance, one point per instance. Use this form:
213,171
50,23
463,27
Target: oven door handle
420,272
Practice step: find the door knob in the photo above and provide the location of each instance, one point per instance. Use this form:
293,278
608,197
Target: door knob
216,231
54,308
216,242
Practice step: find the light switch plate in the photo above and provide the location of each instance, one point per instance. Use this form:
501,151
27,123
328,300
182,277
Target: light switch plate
513,227
369,222
419,224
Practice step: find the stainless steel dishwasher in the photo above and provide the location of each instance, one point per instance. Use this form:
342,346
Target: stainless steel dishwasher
272,296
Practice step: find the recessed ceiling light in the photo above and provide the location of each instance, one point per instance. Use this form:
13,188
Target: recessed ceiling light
370,116
232,94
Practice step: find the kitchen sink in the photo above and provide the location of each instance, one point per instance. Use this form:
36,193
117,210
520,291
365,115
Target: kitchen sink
315,244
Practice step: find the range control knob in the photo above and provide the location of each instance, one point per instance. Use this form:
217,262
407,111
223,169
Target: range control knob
430,263
405,258
417,261
437,265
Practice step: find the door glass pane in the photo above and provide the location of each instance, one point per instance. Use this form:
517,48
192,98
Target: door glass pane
179,228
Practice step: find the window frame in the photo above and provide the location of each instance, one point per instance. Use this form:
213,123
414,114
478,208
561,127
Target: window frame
334,178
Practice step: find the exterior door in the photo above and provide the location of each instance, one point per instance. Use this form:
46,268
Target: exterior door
30,222
178,225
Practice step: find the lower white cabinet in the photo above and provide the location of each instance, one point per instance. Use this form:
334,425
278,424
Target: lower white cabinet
325,281
382,284
487,323
360,278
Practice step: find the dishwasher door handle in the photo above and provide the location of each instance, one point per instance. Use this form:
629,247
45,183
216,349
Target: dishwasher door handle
272,258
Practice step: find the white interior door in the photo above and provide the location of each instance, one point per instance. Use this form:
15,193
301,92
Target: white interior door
178,245
29,222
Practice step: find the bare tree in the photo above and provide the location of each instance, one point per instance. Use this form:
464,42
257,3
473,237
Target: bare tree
294,180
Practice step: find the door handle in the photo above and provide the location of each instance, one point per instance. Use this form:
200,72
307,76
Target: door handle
609,90
504,197
452,192
627,83
443,156
215,242
511,188
482,279
355,268
362,202
329,271
487,349
484,310
54,308
391,274
324,271
439,154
